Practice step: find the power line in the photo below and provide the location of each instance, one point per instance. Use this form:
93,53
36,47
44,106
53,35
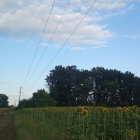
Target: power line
65,41
43,31
43,53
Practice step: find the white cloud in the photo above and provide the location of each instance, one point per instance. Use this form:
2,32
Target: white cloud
77,48
131,36
98,47
23,17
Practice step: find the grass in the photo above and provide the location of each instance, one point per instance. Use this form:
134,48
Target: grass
7,125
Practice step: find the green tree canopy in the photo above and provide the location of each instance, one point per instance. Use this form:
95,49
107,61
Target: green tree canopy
39,99
3,101
70,86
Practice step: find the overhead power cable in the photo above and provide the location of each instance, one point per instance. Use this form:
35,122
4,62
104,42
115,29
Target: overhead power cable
62,46
43,31
45,49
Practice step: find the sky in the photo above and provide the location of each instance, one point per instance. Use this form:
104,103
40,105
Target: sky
36,36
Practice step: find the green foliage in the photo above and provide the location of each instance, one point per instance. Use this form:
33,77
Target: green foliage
39,99
82,123
70,86
3,101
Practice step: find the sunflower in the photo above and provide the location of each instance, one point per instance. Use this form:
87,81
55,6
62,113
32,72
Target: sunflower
105,110
85,112
132,133
80,108
126,109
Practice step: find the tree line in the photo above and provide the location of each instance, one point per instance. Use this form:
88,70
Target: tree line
39,99
70,86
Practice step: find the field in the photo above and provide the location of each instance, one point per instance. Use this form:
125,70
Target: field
7,125
78,123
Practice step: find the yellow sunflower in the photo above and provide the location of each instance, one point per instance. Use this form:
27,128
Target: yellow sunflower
85,112
132,133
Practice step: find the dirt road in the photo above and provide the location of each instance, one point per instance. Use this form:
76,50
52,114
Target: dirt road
7,128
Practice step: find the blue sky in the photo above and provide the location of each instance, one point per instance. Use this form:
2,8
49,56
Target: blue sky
109,36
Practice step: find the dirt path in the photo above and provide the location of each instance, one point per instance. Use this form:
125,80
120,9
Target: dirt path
7,128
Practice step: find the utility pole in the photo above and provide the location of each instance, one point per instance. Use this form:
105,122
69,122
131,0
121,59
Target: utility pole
20,91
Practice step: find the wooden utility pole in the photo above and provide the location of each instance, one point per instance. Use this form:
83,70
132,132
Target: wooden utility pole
20,91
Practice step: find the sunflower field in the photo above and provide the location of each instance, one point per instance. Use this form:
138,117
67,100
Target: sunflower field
81,123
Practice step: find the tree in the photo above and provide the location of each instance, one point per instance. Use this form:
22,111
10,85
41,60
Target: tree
70,86
3,101
137,91
64,85
39,99
42,99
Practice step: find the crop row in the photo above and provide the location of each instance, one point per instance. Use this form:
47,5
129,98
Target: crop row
83,123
